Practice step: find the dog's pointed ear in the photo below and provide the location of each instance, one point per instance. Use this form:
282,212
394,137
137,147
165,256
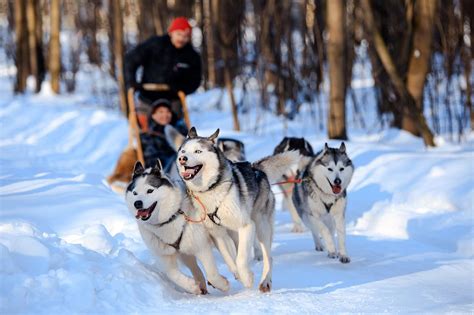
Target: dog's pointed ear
138,169
213,137
221,145
326,147
156,170
174,138
158,165
192,133
342,148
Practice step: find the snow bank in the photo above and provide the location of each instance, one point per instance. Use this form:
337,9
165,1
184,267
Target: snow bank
68,244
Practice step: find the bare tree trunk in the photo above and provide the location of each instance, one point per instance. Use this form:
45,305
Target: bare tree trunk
32,43
336,49
233,103
409,107
55,45
419,64
152,19
21,54
209,36
160,12
227,35
119,52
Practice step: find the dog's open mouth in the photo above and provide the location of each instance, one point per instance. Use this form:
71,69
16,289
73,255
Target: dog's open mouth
336,189
145,214
190,171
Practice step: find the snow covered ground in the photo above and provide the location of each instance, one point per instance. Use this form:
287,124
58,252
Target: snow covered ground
68,244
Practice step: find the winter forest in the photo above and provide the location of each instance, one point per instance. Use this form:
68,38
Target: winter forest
388,83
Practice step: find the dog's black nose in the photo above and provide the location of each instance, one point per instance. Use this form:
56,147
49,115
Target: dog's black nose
182,159
138,204
337,181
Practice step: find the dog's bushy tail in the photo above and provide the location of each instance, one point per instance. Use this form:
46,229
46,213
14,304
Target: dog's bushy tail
275,166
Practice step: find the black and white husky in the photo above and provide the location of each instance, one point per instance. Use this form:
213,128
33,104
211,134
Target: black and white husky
306,150
237,196
160,204
320,199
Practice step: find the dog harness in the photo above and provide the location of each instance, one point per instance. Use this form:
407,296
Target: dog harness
213,216
176,244
172,218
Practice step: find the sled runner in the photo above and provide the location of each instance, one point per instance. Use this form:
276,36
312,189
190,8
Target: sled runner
134,150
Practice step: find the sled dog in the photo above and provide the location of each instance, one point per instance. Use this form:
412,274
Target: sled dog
306,151
320,199
236,196
160,206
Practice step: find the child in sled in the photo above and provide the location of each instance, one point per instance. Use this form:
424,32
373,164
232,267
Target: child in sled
154,143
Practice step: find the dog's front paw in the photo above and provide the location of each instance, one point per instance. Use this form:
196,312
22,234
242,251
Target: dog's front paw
319,248
220,283
332,255
246,277
265,286
203,288
344,259
297,228
195,289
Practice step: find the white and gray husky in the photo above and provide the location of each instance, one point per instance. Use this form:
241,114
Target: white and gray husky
160,206
237,197
320,199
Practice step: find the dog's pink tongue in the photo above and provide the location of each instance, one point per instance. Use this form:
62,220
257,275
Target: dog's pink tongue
141,213
188,173
336,189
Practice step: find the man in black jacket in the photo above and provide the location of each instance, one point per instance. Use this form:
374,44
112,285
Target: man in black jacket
169,59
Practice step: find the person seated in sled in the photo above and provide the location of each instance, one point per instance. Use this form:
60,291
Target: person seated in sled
168,59
154,143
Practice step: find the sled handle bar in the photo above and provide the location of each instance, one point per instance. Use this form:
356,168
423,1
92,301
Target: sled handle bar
155,87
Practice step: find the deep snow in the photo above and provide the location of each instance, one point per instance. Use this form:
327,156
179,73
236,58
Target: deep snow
68,244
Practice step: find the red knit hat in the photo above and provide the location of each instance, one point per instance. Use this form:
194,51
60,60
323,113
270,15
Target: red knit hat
179,23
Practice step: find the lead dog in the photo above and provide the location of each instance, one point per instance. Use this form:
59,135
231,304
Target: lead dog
236,196
159,205
320,199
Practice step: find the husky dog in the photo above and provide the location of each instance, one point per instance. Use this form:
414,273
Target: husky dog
159,205
320,199
236,196
306,151
233,150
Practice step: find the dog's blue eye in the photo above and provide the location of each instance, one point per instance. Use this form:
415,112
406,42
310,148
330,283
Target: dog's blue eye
330,169
149,191
198,151
135,193
341,169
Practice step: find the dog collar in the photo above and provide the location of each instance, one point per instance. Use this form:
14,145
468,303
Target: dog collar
171,219
216,183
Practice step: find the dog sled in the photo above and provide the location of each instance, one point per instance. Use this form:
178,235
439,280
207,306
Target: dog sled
122,173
